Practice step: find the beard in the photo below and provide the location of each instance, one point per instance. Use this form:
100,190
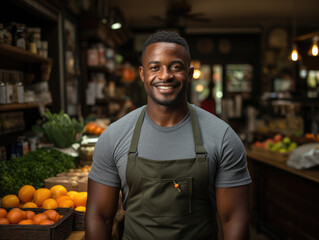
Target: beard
165,102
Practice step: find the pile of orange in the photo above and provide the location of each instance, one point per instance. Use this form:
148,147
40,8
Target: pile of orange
19,216
94,128
56,196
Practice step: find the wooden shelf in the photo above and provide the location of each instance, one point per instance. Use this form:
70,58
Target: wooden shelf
17,106
22,55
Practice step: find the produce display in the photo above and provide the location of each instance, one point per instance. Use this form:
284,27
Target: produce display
56,196
278,144
94,128
29,217
32,169
60,129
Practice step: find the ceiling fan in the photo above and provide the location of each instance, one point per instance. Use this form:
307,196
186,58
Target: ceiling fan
179,13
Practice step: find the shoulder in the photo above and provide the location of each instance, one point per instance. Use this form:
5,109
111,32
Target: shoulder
208,120
125,123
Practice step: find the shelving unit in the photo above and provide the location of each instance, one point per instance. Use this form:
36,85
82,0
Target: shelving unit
17,106
21,55
36,68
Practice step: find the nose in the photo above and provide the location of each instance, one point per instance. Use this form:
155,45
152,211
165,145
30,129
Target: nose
164,74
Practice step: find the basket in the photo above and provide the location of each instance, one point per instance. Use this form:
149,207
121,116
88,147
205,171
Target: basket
58,231
79,220
276,156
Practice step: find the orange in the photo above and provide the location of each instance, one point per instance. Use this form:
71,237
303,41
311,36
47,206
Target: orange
98,130
3,213
62,198
49,203
15,216
26,193
40,195
58,191
30,214
10,201
90,127
39,218
25,216
66,204
52,214
26,222
80,209
80,199
4,221
71,194
29,205
46,222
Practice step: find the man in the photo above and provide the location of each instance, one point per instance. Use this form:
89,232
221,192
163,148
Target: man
177,165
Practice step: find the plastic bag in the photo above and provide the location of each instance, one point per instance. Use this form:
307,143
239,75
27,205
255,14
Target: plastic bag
305,156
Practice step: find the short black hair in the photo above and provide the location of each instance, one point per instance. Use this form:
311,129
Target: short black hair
166,36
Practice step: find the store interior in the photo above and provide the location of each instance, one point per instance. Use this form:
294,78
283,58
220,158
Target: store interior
258,60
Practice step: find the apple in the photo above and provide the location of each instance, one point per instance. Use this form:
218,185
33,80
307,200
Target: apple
277,138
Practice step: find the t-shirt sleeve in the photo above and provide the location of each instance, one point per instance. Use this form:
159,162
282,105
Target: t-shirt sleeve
232,168
104,169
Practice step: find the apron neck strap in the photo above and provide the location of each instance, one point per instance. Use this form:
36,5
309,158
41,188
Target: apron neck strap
136,134
199,148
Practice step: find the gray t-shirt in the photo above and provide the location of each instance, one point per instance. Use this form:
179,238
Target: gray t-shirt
225,151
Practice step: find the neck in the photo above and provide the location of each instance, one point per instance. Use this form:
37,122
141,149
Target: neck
167,116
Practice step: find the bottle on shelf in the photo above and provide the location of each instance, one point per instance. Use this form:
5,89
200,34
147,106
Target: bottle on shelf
2,88
20,87
20,36
8,86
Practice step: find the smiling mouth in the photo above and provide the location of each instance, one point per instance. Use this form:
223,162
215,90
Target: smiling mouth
165,87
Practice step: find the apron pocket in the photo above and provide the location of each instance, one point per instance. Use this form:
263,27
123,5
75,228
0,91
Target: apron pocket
161,198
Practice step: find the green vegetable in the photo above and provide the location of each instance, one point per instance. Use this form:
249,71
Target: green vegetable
32,169
60,129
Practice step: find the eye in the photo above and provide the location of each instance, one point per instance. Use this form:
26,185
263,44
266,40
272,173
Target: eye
154,67
176,67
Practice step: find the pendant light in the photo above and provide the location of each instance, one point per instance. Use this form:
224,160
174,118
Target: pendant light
115,18
314,49
294,53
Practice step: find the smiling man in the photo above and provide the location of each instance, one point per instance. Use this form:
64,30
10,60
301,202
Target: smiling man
177,165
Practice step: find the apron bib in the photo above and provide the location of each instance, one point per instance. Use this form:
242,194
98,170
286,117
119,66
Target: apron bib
169,199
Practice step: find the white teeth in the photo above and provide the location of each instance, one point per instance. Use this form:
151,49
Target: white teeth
165,87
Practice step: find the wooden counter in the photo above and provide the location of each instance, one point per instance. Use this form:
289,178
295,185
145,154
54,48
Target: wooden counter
311,174
284,201
77,235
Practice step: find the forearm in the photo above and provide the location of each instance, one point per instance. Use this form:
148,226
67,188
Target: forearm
235,230
98,228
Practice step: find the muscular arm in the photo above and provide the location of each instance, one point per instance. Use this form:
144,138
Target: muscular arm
101,209
233,210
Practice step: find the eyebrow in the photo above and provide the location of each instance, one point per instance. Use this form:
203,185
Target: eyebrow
172,62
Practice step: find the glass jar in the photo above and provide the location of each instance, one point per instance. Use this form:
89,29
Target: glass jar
20,36
7,36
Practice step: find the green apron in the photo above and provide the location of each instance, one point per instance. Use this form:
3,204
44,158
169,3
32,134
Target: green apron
169,199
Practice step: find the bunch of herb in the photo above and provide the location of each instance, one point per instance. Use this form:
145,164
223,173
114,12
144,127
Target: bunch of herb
60,129
33,169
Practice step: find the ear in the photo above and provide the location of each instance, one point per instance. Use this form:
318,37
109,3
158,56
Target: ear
190,73
141,71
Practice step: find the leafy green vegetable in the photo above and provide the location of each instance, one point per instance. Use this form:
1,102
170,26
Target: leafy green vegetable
33,169
60,129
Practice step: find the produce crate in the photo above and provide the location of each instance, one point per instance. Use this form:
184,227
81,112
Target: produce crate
83,184
79,220
70,183
276,156
58,231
